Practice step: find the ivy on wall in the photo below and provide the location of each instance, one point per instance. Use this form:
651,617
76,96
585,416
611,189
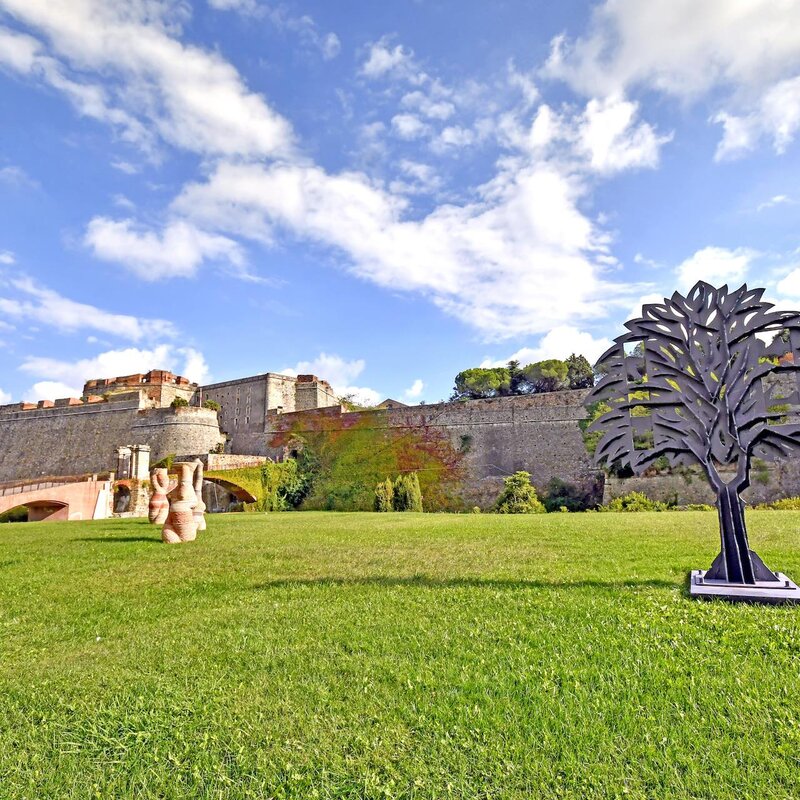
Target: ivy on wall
352,454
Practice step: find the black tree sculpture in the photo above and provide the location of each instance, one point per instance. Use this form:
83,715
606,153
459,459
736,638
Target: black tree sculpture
695,382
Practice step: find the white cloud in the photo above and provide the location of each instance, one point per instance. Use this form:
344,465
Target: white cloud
5,397
420,178
749,50
775,200
790,285
715,265
64,378
44,306
605,137
190,97
121,201
407,126
453,136
13,175
245,6
414,392
50,390
560,342
341,375
428,106
125,166
7,257
612,140
178,251
383,59
522,259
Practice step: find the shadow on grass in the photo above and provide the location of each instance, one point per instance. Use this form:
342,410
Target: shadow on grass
455,583
113,539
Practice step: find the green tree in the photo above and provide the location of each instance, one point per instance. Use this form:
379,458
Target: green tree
179,402
546,376
518,496
400,493
384,496
516,378
580,374
414,492
481,382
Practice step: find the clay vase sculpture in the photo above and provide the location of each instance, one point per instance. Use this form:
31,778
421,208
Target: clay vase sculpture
180,525
159,505
200,508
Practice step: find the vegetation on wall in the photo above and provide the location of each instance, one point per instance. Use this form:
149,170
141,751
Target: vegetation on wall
179,402
212,404
350,456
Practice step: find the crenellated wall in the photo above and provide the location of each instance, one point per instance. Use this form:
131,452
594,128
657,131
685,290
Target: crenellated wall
81,438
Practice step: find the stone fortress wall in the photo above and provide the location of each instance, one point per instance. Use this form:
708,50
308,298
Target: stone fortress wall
537,433
497,436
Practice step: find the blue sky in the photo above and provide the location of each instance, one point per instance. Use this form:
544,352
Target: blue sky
381,193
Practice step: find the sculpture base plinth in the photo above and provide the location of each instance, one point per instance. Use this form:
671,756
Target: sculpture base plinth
781,591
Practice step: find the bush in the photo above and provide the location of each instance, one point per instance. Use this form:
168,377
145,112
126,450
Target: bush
784,504
179,402
212,404
568,496
407,494
634,501
384,496
518,496
699,507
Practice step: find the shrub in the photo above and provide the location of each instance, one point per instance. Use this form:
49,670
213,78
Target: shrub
699,507
179,402
560,494
784,504
212,404
384,496
164,463
634,501
407,494
518,496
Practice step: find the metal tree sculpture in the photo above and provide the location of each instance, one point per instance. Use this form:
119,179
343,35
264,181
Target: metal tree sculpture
693,381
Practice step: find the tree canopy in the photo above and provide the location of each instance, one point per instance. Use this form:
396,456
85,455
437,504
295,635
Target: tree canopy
550,375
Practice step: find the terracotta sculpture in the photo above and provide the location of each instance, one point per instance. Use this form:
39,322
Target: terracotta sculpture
181,525
200,508
159,505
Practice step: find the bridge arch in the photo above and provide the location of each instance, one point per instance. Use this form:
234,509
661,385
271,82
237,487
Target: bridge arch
220,494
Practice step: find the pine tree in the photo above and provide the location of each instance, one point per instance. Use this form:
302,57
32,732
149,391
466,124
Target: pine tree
384,496
518,496
414,493
401,493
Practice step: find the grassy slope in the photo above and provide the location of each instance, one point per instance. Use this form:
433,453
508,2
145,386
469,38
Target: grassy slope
360,656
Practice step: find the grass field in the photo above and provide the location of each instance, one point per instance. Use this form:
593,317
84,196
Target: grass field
322,655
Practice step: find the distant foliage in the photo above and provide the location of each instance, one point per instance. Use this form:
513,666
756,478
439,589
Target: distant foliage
384,496
635,501
179,402
580,374
212,404
478,382
518,496
699,507
407,493
550,375
546,376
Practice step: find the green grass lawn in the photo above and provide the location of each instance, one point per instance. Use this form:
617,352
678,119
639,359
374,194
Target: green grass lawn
321,655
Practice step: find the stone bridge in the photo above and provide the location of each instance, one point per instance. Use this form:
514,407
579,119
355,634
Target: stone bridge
59,498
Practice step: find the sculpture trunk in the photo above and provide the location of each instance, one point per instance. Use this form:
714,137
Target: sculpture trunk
735,547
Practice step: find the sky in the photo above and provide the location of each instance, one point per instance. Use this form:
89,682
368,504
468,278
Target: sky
382,194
